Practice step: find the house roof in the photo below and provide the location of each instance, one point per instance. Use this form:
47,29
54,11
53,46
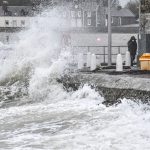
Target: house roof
124,12
16,10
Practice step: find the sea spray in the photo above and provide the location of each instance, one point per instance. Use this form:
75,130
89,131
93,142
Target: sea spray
35,60
45,116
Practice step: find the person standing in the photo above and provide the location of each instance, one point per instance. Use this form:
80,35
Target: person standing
132,48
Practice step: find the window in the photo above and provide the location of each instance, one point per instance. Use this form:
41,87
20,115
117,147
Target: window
88,14
79,23
7,39
89,22
64,14
79,14
73,23
112,20
120,21
6,22
14,23
106,22
73,14
22,23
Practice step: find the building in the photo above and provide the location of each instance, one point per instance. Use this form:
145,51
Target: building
85,13
92,13
19,17
77,13
121,16
144,38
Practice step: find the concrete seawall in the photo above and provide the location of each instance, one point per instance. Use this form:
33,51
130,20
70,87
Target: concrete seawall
112,87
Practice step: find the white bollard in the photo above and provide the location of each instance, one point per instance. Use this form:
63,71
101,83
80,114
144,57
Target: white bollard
80,61
88,60
93,62
119,65
128,59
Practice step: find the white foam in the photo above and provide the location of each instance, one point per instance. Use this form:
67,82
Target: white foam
57,119
76,121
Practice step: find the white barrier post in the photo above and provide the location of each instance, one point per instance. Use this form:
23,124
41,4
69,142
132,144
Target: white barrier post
93,62
88,60
119,65
80,61
128,59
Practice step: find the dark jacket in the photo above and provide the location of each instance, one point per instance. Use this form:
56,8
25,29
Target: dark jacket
132,46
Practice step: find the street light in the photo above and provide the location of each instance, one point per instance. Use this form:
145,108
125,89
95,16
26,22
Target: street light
140,19
109,33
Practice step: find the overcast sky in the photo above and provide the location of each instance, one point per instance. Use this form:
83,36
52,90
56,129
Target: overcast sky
123,2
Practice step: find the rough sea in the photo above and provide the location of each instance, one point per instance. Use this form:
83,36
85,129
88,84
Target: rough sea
36,113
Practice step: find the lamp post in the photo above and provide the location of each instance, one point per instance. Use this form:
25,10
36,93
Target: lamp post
140,19
109,33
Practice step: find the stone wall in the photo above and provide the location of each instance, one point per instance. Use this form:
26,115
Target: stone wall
113,88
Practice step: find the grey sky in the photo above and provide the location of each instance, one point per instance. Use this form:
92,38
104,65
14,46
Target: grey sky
123,2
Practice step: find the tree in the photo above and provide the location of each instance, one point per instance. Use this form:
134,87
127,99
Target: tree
134,7
145,6
115,3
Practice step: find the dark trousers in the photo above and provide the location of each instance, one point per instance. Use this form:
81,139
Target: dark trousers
132,59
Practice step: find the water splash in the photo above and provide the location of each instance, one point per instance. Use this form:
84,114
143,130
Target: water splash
38,114
37,58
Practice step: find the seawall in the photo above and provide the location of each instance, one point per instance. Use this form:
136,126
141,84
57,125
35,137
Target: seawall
112,87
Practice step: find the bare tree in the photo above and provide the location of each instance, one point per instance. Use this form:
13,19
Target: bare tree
134,7
115,3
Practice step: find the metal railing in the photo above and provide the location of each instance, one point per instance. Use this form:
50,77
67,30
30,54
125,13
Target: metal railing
101,51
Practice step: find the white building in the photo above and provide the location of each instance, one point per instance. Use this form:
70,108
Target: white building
14,21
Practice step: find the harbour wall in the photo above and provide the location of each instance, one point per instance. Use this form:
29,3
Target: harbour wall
113,88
